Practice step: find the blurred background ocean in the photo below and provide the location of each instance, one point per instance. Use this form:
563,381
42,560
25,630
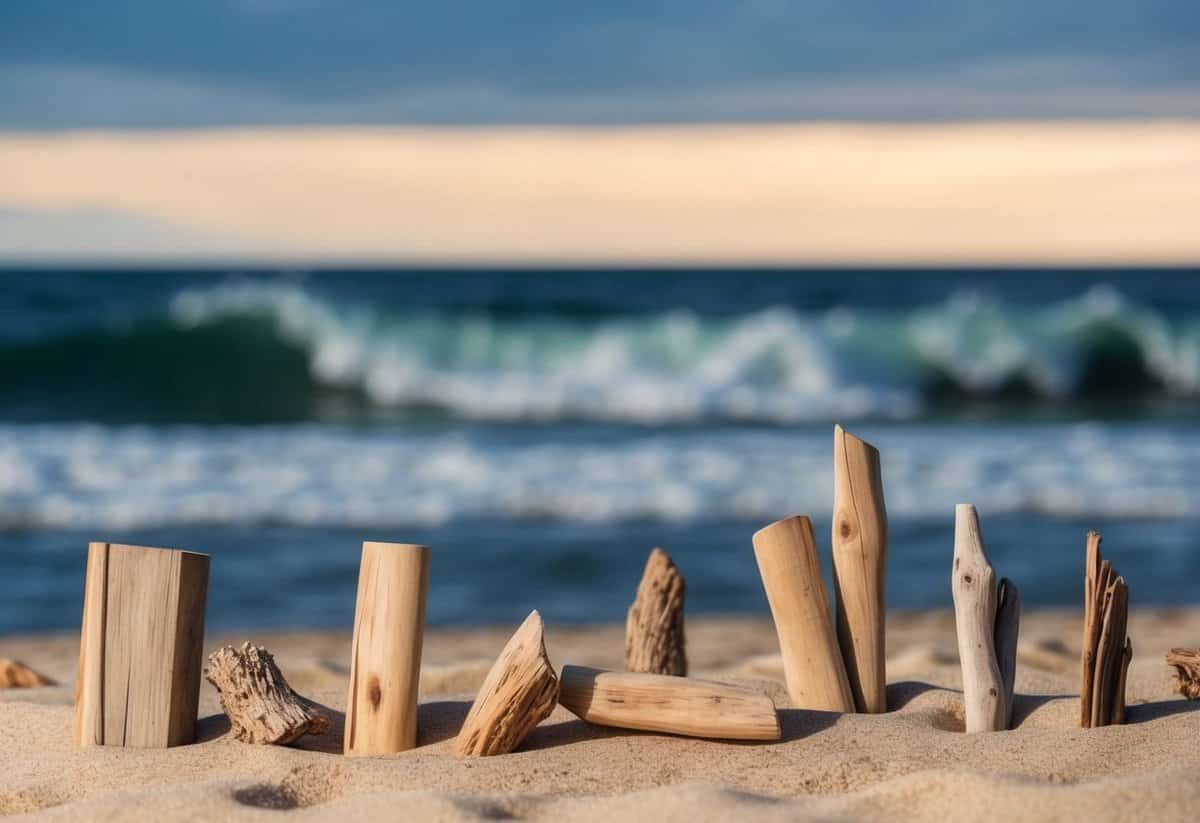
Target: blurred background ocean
542,430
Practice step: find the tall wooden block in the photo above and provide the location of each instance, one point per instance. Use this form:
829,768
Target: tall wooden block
385,662
140,646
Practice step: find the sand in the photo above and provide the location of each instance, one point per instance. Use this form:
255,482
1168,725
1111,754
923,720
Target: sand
913,763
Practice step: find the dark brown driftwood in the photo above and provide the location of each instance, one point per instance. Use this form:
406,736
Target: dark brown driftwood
16,675
261,706
654,640
1187,671
1104,660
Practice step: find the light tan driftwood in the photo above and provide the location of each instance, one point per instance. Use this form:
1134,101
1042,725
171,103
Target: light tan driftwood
1104,659
1008,625
140,646
662,703
1187,671
385,660
260,705
974,589
16,675
520,691
859,567
654,639
791,575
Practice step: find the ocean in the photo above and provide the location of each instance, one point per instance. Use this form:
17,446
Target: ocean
541,431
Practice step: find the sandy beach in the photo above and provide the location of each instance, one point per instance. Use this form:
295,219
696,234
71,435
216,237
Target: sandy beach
912,763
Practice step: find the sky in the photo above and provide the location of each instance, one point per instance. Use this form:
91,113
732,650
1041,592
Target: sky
125,78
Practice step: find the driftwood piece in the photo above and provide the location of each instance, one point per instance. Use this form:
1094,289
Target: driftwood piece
654,639
1008,625
974,588
791,575
520,691
261,706
661,703
1187,671
16,675
385,658
859,567
1107,650
140,646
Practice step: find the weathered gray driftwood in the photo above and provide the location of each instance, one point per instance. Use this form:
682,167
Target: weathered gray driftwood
261,706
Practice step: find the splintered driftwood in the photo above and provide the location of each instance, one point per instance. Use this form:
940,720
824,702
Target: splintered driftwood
16,675
791,575
261,706
519,692
859,567
987,635
1107,650
662,703
1187,671
654,626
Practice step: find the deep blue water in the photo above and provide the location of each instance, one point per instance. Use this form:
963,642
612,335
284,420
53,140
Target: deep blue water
541,431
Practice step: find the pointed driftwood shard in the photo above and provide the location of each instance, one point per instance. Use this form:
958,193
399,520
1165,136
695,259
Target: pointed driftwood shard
974,588
1187,671
859,567
1104,659
519,692
654,626
662,703
1008,624
16,675
261,706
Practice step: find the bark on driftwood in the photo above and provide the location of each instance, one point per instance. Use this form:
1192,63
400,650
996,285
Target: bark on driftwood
261,706
654,639
1187,670
519,692
16,675
1107,650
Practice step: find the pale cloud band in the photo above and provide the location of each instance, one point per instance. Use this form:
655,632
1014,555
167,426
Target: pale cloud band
1085,192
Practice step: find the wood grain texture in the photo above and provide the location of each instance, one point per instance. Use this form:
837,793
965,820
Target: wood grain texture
654,637
860,544
262,708
138,682
520,691
385,663
791,575
1186,663
1106,649
662,703
973,584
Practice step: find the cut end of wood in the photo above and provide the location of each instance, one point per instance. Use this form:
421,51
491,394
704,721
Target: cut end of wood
796,521
261,706
1186,663
845,441
16,675
654,634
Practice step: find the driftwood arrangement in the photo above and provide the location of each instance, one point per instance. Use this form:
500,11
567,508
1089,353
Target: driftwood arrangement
1107,650
1186,663
654,639
519,692
662,703
261,706
16,675
987,620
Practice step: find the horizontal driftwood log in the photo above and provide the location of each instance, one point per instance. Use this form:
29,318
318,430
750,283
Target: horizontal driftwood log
1187,670
520,691
654,639
16,675
662,703
261,706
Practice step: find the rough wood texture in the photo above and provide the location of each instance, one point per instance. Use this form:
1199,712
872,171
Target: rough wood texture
1008,625
520,691
1187,671
859,567
974,588
1106,649
16,675
654,639
140,646
385,660
661,703
261,706
791,575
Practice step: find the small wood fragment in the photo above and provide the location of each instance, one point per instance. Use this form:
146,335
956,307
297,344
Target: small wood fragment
520,691
261,706
974,589
1187,671
654,640
662,703
16,675
1104,658
1008,624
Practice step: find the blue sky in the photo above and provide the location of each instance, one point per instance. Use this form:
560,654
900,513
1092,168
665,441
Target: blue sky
154,64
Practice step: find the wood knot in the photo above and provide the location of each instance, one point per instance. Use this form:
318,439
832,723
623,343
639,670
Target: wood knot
845,529
966,578
374,692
